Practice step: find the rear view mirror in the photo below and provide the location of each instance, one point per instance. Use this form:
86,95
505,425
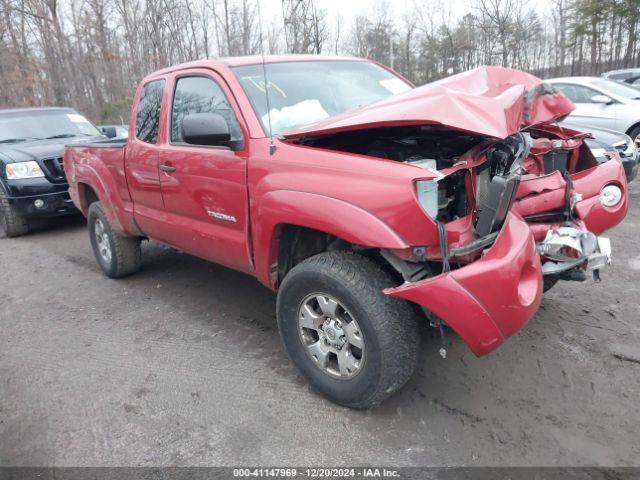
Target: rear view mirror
601,99
205,129
109,132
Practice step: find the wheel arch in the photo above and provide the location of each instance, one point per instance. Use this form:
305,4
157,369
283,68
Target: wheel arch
86,196
632,128
306,222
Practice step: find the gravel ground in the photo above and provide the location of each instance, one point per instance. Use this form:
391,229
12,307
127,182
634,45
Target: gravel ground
181,364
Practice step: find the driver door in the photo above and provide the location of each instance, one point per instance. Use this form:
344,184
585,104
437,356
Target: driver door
204,188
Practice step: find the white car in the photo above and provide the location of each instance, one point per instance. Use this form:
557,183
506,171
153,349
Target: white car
602,103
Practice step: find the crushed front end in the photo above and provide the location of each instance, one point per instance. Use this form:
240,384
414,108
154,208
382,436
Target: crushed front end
484,277
505,195
472,264
569,199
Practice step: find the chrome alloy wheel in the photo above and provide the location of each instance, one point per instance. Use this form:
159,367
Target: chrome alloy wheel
102,241
331,336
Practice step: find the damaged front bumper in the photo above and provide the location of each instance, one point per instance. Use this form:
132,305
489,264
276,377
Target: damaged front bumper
490,299
569,248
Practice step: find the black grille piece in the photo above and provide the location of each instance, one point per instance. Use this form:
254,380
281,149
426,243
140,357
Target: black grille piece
494,209
556,160
54,169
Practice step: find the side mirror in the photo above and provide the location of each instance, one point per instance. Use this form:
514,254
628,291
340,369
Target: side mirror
109,132
205,129
603,99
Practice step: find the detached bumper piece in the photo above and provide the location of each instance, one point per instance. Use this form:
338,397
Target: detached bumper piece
490,299
569,248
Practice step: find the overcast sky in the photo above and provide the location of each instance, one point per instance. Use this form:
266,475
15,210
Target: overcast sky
348,9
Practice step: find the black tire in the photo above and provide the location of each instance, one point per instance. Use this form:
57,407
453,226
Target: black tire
548,283
635,135
11,224
388,326
125,256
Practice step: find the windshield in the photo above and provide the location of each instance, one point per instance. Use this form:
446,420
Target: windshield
619,89
301,93
41,124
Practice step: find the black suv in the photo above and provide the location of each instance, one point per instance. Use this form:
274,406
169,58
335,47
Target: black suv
32,179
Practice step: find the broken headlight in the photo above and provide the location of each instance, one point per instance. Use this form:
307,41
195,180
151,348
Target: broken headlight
610,195
428,196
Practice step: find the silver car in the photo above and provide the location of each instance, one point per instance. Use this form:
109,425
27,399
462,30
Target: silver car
602,103
630,76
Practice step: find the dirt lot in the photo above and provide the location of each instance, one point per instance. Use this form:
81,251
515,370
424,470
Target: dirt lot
182,364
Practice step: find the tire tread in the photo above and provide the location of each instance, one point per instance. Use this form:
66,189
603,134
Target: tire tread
15,225
399,344
125,250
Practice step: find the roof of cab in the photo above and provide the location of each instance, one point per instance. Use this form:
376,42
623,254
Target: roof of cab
231,62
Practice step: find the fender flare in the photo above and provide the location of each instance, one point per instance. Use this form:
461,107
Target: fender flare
94,174
326,214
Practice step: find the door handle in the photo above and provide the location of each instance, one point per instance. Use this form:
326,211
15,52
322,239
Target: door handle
167,168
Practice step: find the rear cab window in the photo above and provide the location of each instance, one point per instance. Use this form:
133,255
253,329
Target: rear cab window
148,114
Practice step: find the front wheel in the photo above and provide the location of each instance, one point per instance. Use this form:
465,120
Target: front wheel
635,135
354,344
10,223
117,255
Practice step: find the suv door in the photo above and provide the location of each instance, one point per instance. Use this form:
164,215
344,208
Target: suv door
142,156
204,188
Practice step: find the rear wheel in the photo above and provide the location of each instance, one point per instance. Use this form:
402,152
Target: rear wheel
117,255
11,224
354,344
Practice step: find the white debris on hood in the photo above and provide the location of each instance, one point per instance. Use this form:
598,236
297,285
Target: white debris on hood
302,113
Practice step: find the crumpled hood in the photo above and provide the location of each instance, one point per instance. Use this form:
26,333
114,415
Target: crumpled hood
492,101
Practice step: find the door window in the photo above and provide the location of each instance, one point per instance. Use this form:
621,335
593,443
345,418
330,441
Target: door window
577,93
201,95
148,116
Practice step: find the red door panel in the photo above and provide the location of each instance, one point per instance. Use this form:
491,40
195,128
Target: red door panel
204,189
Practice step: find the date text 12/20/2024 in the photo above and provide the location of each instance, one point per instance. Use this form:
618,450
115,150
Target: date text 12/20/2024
316,472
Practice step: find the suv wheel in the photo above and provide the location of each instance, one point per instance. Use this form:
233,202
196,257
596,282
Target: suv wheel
354,344
117,255
635,134
11,224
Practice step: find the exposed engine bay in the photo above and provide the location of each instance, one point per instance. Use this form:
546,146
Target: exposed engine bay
454,192
476,176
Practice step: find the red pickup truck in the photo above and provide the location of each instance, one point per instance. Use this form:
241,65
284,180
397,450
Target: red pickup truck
365,202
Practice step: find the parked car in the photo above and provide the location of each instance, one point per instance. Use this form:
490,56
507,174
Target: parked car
32,179
602,103
630,76
363,201
115,131
606,143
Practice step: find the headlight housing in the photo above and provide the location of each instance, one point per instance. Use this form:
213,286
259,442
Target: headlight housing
20,170
428,196
610,195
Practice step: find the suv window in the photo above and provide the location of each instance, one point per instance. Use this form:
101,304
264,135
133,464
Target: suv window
620,76
577,93
148,116
201,95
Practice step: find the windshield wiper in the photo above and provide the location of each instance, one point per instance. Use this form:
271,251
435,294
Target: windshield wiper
62,135
16,140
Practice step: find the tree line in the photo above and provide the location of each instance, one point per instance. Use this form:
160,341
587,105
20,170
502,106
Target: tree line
91,54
